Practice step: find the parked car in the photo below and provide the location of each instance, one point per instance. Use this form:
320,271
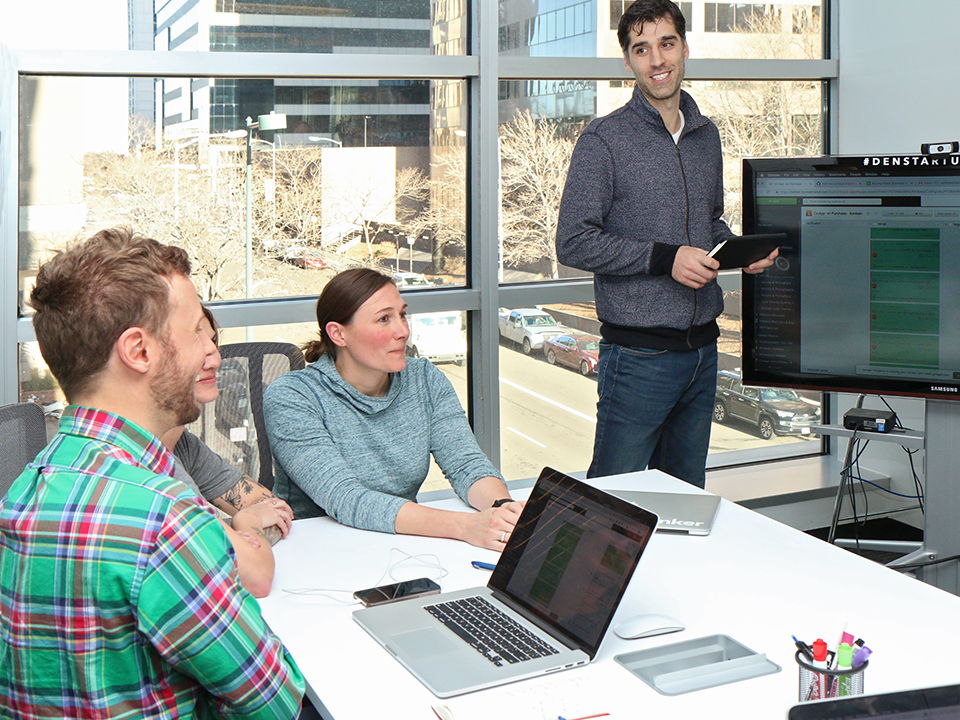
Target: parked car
529,328
575,349
310,261
774,411
437,336
410,279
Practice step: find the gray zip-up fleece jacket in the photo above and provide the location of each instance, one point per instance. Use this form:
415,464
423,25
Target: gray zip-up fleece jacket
360,458
632,196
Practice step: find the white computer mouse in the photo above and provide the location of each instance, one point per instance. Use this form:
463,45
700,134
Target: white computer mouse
643,626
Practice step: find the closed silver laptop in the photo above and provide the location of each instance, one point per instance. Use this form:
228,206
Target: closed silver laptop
560,578
686,513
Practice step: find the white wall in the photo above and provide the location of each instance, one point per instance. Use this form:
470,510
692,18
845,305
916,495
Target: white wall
899,75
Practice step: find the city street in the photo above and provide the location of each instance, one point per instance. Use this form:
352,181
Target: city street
547,412
548,417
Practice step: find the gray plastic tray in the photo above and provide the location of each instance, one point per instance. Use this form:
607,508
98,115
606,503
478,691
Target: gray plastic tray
698,664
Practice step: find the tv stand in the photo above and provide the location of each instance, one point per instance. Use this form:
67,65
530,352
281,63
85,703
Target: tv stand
941,534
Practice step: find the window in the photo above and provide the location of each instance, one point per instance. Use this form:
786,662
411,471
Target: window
333,27
352,179
182,144
618,6
547,392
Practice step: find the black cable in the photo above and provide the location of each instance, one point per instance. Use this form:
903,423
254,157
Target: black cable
847,474
857,523
884,401
881,488
916,479
852,493
910,453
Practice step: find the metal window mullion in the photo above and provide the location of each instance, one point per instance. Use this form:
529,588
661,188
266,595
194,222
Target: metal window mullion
548,68
483,206
9,218
150,63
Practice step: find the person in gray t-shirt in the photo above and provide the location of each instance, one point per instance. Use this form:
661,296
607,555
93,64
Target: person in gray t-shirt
253,517
207,473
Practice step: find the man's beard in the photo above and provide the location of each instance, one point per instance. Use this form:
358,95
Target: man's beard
173,390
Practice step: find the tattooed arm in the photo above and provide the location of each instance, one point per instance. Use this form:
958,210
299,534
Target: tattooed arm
252,506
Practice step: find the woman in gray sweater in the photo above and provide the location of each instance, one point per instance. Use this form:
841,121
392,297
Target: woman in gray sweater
353,432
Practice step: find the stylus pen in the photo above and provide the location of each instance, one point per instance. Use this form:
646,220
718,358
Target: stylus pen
482,565
803,647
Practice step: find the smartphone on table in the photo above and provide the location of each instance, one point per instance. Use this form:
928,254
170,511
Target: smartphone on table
384,594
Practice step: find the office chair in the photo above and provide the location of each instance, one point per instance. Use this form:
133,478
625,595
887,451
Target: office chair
233,425
23,434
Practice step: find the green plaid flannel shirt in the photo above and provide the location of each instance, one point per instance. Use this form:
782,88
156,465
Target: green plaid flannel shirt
119,594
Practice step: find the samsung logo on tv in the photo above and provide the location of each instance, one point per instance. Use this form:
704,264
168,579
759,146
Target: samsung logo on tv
941,388
912,161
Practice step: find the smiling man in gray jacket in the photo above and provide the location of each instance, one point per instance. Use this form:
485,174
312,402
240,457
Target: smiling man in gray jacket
641,209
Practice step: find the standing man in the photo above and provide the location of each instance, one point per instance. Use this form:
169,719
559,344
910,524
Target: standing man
641,209
119,594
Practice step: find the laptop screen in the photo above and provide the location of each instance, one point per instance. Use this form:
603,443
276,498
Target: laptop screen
572,555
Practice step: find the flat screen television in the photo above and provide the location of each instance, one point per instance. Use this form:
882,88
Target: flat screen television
865,296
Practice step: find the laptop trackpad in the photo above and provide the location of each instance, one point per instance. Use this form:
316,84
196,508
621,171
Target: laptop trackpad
424,643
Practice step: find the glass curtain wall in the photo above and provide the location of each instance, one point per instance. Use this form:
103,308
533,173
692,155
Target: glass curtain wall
282,142
549,412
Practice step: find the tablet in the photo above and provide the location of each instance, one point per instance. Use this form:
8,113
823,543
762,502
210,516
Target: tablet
934,703
739,252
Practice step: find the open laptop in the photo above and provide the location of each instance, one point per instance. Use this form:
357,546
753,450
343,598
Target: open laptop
679,512
561,577
933,703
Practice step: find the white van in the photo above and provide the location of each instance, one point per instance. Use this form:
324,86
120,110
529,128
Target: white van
439,337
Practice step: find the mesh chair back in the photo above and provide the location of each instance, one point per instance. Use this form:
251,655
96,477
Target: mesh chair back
23,434
233,426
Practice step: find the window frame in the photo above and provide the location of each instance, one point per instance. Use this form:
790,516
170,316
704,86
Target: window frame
482,70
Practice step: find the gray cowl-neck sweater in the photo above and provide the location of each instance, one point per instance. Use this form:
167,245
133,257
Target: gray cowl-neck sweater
360,458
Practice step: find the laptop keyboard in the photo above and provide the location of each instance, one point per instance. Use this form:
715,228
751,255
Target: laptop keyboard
489,631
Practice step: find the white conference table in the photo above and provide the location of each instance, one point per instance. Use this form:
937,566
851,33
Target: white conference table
752,578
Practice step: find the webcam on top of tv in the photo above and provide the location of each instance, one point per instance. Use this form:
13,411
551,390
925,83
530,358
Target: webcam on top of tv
942,148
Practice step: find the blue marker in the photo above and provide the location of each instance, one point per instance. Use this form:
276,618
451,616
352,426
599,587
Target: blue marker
482,565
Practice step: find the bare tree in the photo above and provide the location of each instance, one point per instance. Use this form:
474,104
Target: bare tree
366,197
758,118
182,195
447,215
534,157
298,195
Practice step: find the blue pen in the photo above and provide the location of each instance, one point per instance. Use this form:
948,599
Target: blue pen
482,565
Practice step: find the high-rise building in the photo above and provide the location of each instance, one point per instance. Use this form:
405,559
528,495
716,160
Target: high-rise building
140,37
351,112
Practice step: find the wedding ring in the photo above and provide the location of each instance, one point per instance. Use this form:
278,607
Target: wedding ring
503,535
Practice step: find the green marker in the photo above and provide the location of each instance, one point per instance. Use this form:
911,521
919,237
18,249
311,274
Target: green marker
844,662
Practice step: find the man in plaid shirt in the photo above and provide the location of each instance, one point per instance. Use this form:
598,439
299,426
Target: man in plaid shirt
119,593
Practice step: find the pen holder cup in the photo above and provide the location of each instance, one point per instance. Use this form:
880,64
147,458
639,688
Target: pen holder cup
818,683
